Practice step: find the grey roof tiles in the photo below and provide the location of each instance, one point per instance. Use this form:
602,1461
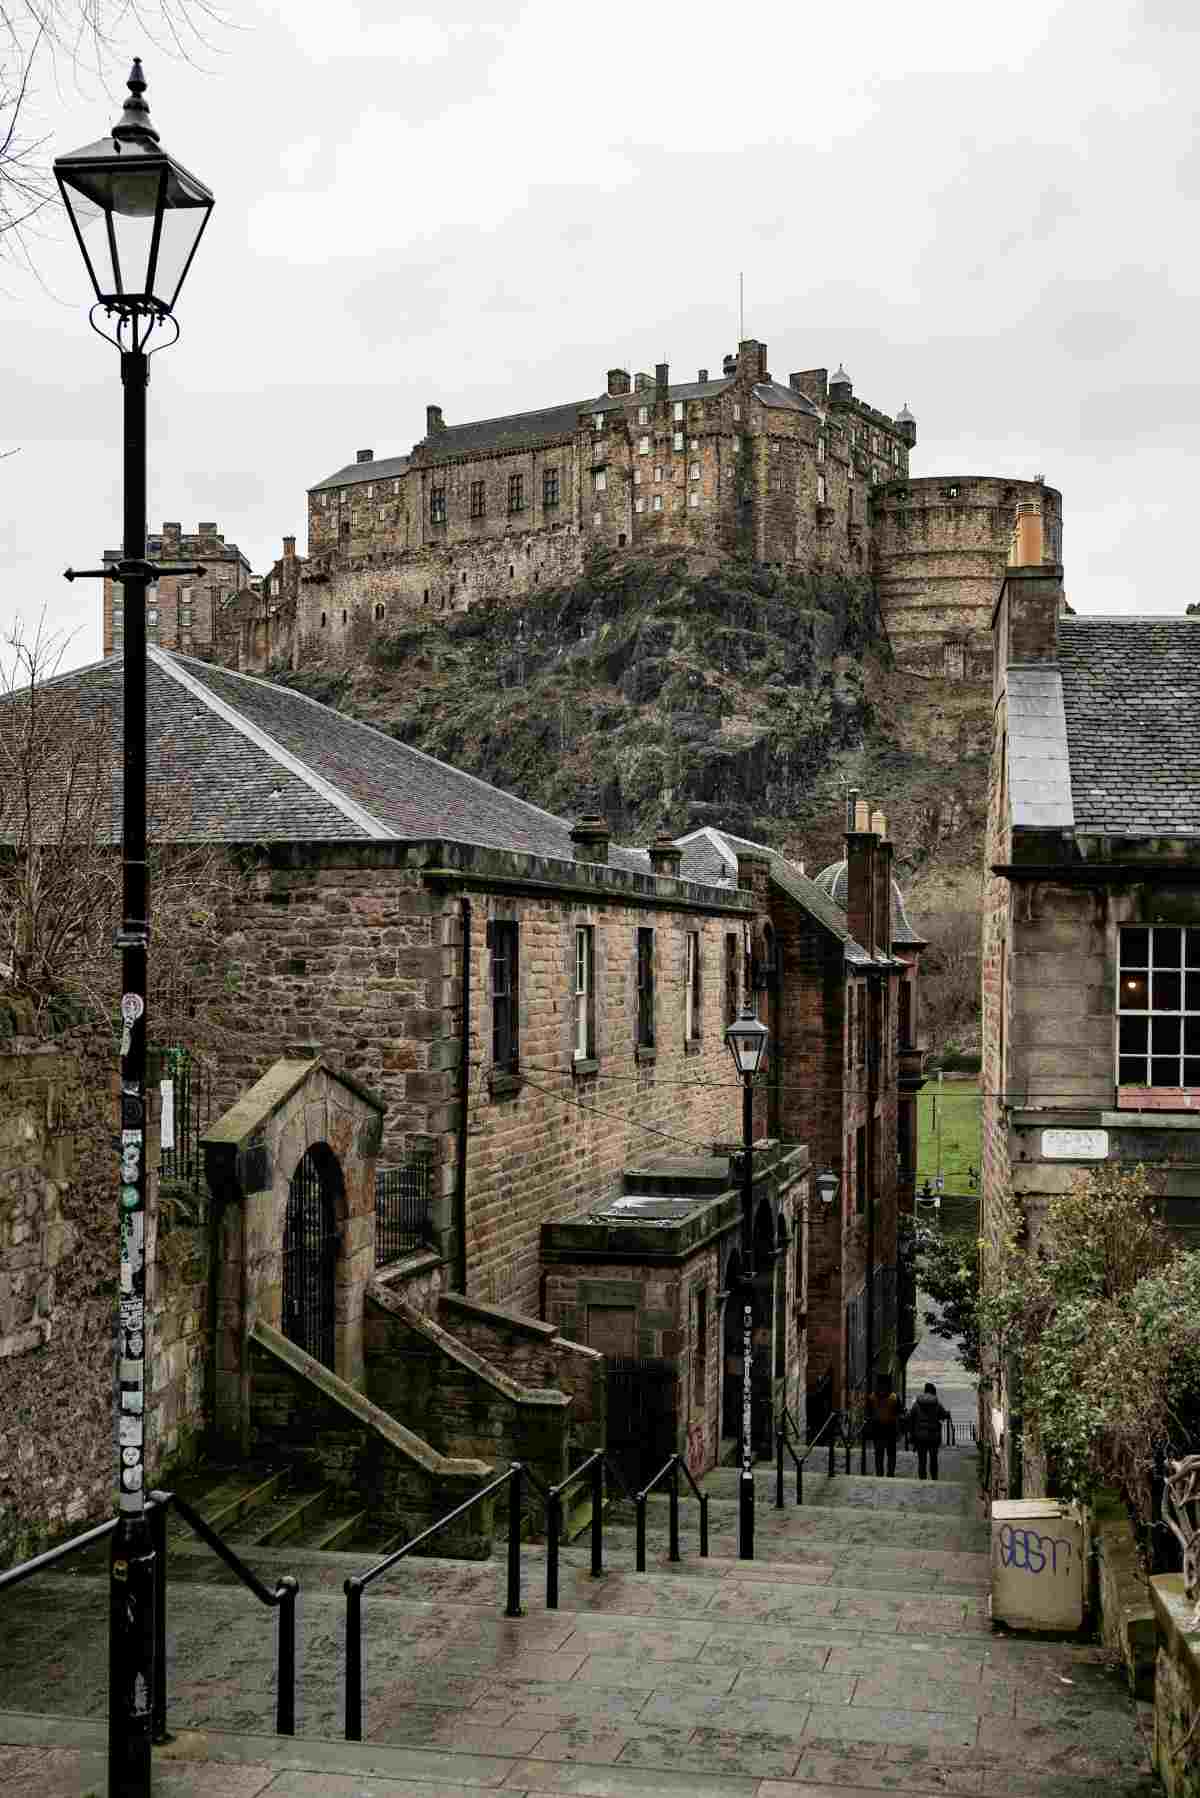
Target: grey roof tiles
387,468
1039,771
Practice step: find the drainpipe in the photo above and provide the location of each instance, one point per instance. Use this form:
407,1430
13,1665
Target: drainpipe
460,1187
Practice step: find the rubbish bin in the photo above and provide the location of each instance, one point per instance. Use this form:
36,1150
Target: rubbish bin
1037,1564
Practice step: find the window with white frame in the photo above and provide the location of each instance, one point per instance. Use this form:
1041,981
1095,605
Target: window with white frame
694,444
820,449
849,470
691,1028
598,420
737,410
643,415
693,499
677,441
639,505
601,481
585,1036
657,502
658,474
1158,1006
637,477
678,413
643,446
596,518
820,489
694,472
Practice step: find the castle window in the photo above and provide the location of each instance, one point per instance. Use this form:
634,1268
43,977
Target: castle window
645,988
437,505
584,1019
370,490
694,445
774,446
692,1012
425,596
820,449
639,505
598,420
658,474
737,411
503,938
820,489
516,492
344,530
596,519
324,621
620,539
478,499
952,493
550,486
694,471
395,487
343,616
658,502
637,477
693,499
679,411
600,480
643,415
643,446
379,610
849,469
677,440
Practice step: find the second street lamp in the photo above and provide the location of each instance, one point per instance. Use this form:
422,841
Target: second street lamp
747,1040
138,216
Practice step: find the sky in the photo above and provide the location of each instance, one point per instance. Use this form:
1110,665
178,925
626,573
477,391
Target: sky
986,213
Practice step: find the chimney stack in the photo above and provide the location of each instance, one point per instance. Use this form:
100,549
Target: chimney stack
641,382
618,381
861,876
364,455
289,549
434,420
662,378
591,836
729,365
702,374
666,857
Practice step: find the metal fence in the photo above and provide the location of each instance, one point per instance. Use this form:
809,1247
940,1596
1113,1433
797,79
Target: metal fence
187,1106
403,1215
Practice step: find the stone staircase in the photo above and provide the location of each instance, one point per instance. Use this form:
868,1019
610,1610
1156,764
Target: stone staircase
853,1655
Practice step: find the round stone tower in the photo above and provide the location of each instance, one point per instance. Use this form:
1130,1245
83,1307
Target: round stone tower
939,548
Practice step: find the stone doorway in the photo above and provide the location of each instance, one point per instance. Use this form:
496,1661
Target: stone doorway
310,1252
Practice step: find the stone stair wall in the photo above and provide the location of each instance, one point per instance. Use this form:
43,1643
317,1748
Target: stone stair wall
535,1355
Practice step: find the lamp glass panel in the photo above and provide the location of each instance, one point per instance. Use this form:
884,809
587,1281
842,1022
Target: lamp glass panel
181,226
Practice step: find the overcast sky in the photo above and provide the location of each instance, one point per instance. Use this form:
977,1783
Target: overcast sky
989,213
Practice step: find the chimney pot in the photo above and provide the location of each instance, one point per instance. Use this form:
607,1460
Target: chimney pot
1027,545
364,455
289,548
878,823
702,374
862,816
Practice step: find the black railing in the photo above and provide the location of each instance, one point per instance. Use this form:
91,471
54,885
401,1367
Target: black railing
670,1469
192,1105
283,1598
403,1221
593,1470
514,1478
829,1435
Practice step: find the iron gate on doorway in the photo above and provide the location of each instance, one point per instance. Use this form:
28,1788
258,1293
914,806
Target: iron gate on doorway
310,1243
641,1415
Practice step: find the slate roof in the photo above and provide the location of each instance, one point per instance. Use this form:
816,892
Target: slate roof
678,390
384,468
1131,697
1039,772
785,399
710,855
521,430
237,759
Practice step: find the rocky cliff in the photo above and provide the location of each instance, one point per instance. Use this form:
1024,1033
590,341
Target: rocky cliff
738,695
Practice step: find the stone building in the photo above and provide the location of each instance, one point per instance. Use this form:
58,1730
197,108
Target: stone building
1091,930
939,551
183,612
732,462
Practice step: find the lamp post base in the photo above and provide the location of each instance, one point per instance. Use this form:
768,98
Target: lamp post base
132,1573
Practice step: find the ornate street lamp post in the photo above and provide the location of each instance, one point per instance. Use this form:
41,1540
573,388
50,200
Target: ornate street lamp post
747,1040
138,217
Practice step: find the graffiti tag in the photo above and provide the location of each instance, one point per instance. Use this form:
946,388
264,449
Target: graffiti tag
1030,1552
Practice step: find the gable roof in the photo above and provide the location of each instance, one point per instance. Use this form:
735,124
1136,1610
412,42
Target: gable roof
238,759
1039,770
385,468
785,399
1131,701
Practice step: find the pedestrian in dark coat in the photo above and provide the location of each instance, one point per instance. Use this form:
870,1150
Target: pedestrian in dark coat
925,1422
883,1420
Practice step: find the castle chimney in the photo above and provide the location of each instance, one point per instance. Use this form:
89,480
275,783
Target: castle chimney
702,374
434,420
729,366
861,844
878,823
364,455
666,857
618,381
752,360
289,549
641,382
1027,547
591,836
170,541
207,529
662,377
883,890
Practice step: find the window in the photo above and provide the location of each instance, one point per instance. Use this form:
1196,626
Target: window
737,446
502,934
874,443
700,1356
820,449
380,610
691,974
585,1035
658,474
596,518
860,1170
677,441
733,962
643,446
637,477
693,499
737,411
550,486
658,502
598,420
850,471
678,412
324,620
694,472
820,489
437,505
395,487
774,446
952,492
639,505
643,415
478,499
1158,1006
516,492
645,989
600,481
344,530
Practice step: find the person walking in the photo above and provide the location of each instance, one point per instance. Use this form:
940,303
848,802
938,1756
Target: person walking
925,1422
885,1421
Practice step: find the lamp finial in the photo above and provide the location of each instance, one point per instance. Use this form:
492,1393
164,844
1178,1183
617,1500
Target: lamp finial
134,125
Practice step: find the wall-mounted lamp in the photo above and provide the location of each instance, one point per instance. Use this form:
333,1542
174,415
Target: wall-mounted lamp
827,1186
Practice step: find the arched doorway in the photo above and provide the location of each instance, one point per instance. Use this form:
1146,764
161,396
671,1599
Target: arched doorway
310,1249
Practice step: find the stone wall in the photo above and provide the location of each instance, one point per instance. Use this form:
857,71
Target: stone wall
1176,1689
536,1355
1121,1600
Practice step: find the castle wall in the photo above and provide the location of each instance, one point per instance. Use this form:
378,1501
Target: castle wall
939,549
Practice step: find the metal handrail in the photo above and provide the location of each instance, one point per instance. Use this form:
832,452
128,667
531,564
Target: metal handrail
798,1459
594,1467
283,1599
670,1467
356,1584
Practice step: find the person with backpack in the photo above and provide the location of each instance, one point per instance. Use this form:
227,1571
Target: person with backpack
925,1421
884,1421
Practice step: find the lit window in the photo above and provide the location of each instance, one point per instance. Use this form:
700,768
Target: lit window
679,410
677,440
952,492
694,472
584,1028
601,481
658,502
643,415
643,446
693,499
395,486
1158,1007
639,505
